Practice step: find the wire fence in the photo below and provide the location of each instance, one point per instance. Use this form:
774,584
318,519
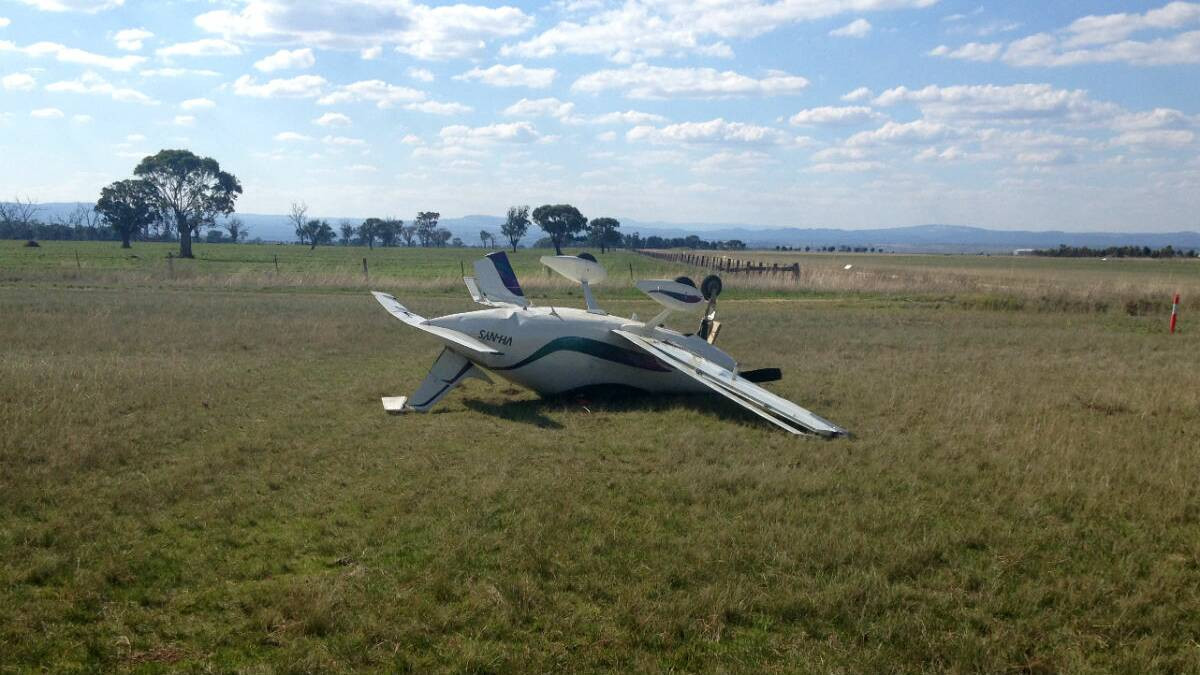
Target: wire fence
726,264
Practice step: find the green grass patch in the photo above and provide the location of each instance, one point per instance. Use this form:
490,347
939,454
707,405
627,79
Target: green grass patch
201,477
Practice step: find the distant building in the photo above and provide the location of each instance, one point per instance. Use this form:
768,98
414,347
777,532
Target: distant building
1023,251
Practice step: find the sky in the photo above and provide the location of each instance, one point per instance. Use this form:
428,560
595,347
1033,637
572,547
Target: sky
1080,116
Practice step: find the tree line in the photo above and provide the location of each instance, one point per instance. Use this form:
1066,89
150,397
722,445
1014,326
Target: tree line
172,193
563,224
691,241
176,194
1064,251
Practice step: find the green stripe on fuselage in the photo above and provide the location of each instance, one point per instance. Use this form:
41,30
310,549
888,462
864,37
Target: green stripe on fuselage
590,347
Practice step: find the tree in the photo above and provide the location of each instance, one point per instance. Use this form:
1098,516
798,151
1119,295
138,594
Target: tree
348,231
484,236
299,219
368,231
22,214
603,231
83,222
237,229
407,233
127,207
189,189
389,231
516,225
426,223
560,221
441,236
318,232
456,242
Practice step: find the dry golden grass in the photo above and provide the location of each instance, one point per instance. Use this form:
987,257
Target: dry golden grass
1127,285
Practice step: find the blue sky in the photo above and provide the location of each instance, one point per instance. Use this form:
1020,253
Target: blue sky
808,113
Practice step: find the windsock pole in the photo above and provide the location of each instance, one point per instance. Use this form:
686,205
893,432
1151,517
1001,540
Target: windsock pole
1174,312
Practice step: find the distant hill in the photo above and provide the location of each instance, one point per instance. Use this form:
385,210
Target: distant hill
917,238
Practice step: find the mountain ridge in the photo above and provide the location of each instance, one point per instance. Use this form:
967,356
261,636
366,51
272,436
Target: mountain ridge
938,238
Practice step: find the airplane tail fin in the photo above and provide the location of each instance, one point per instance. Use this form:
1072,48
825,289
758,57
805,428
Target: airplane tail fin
496,281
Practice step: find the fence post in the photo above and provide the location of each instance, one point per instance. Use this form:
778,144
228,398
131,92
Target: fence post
276,263
796,270
77,259
366,276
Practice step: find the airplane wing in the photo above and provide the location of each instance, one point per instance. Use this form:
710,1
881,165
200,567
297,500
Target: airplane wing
401,312
775,409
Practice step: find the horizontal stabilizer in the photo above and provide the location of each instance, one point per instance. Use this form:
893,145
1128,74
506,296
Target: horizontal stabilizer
576,268
775,409
401,312
673,295
762,375
447,372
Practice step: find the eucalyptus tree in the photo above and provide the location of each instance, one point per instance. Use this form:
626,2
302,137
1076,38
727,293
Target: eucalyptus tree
603,231
560,221
127,206
516,225
189,190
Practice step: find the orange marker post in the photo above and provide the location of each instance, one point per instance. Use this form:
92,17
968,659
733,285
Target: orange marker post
1174,312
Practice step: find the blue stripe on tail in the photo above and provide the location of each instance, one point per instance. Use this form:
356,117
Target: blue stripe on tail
505,270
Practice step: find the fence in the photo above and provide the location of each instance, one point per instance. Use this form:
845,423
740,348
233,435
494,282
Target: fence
724,263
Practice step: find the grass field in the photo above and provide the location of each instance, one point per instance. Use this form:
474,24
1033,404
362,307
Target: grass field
196,474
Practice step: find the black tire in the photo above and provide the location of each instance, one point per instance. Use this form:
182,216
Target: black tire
686,281
710,288
587,256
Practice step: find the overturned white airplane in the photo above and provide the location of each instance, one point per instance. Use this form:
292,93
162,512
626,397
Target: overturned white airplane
552,350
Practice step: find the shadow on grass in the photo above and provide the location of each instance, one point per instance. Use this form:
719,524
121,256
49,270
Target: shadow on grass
526,412
613,399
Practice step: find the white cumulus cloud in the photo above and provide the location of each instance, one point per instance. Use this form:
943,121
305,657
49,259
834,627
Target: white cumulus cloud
382,94
301,86
833,116
512,132
438,107
660,82
919,131
178,72
540,107
418,30
197,104
131,39
859,28
46,114
1016,102
639,29
421,74
91,83
205,47
713,131
972,51
332,119
18,82
85,6
64,54
287,59
511,76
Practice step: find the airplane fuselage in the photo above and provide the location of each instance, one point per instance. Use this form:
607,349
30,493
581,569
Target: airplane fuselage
557,349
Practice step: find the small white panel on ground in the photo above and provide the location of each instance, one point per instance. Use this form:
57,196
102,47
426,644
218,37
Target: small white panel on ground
394,404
